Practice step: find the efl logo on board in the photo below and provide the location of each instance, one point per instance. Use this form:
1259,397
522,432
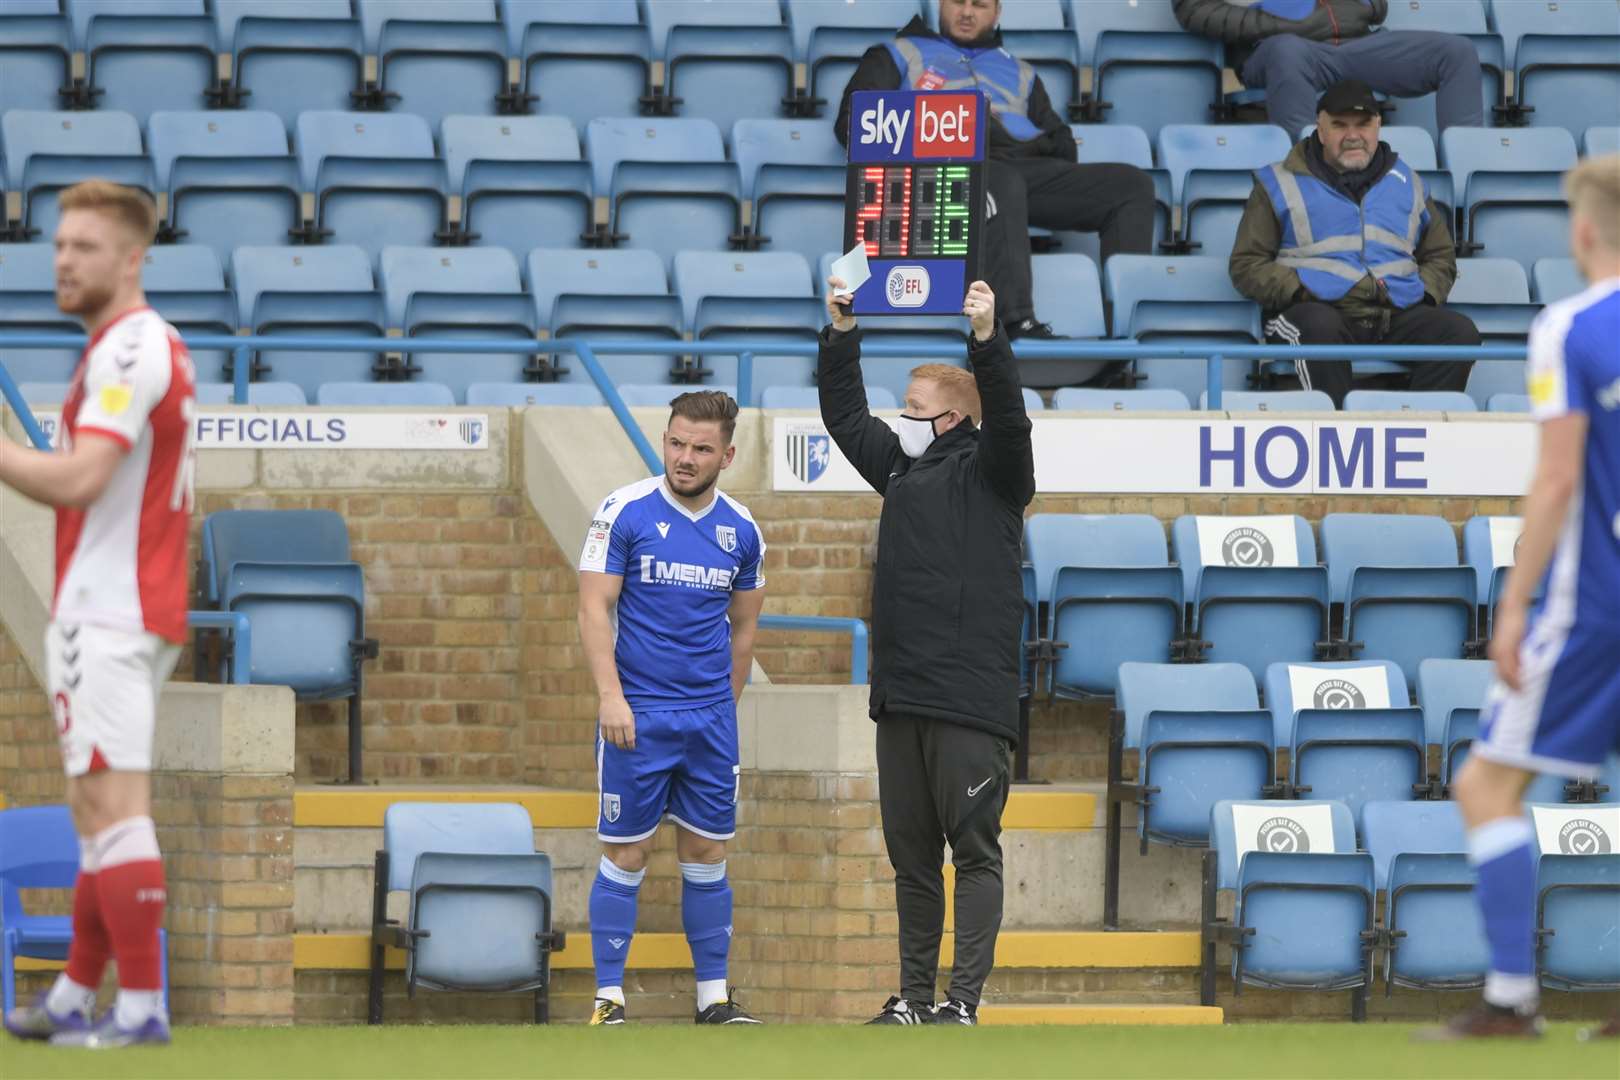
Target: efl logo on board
907,287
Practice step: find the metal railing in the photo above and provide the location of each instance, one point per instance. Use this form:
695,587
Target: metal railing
856,628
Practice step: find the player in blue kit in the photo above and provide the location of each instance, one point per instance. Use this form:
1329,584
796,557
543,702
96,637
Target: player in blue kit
670,588
1555,704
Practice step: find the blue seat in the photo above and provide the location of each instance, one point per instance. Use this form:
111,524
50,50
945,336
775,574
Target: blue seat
142,58
1123,144
1566,61
1495,295
829,39
1489,379
1301,914
44,395
437,60
1085,399
1037,32
1600,140
375,178
1257,594
28,305
1068,294
1146,70
230,179
1270,401
808,397
669,184
1405,597
460,293
1508,186
1451,401
1557,278
1489,546
1112,594
36,46
1420,863
1328,685
793,171
478,902
521,179
1465,18
1451,693
518,395
755,296
48,151
580,63
385,395
1508,403
291,56
1212,175
1202,737
723,61
660,395
1032,400
1182,300
259,393
302,291
1358,756
1576,897
39,849
619,294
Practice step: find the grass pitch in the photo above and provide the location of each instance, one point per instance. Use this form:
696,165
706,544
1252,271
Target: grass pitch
1314,1051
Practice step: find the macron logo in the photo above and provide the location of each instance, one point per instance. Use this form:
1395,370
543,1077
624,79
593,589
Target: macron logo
658,572
616,942
944,126
663,530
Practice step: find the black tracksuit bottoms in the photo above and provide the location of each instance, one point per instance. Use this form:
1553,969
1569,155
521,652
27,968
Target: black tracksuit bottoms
941,782
1316,323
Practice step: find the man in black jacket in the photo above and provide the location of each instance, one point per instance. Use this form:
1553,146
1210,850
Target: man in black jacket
1032,177
947,603
1295,49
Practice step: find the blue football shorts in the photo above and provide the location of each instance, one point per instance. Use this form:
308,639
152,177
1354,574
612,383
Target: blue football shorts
684,766
1566,718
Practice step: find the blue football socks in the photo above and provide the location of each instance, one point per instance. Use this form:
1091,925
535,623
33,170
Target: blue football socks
1502,856
613,924
706,917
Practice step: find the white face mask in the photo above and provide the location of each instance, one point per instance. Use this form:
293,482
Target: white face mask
917,434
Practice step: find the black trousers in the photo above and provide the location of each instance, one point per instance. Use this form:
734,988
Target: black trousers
1316,323
1114,201
941,782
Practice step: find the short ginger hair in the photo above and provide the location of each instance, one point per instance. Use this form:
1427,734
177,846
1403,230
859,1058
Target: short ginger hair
130,206
956,384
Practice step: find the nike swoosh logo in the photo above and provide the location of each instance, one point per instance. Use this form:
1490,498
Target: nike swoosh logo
972,791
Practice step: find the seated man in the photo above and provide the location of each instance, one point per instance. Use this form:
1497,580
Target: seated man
1339,246
1295,49
1032,175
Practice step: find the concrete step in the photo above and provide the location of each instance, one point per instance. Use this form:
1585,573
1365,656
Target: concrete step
1077,1015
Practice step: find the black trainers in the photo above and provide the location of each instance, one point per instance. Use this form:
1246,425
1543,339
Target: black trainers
952,1011
607,1012
1034,331
897,1010
724,1012
1485,1021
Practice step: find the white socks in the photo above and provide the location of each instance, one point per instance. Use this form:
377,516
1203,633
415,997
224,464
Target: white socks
67,996
614,994
135,1007
710,992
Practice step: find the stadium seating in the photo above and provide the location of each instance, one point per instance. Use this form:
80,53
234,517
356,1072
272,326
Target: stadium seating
1257,593
302,291
48,151
375,178
385,395
1508,187
1409,400
618,294
1185,301
1111,592
1124,144
1435,939
659,396
518,395
1084,399
291,56
1577,886
522,183
1566,61
1495,294
1066,292
1556,279
1035,31
460,293
1601,140
142,58
1490,379
580,63
723,61
1450,17
829,39
435,59
1201,737
1303,898
1508,403
754,296
259,393
1348,686
808,397
41,395
1270,401
479,914
1146,70
36,45
1405,597
1489,546
1032,399
290,572
39,850
229,177
793,175
1451,693
1212,175
185,283
28,305
669,184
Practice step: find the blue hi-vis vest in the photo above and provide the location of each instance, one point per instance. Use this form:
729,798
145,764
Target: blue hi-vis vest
1332,243
1005,79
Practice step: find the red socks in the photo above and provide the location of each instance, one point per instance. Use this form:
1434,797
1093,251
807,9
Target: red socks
130,894
91,947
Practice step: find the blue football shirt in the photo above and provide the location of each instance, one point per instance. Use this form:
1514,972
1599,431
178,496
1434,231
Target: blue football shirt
1574,367
673,639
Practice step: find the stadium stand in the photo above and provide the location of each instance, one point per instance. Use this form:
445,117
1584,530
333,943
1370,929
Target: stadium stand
1507,185
1467,18
44,395
48,151
620,294
1146,70
1566,62
1451,693
1038,33
1184,300
1556,279
1088,400
725,61
807,397
1212,175
27,288
669,185
229,177
142,58
1508,403
259,393
578,66
437,60
1495,295
1123,144
660,396
480,902
754,296
292,291
518,395
1270,401
1409,400
793,176
396,395
291,56
1601,140
36,46
1435,939
1489,546
521,180
829,40
1576,888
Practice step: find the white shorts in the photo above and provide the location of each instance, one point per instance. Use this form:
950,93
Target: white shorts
104,686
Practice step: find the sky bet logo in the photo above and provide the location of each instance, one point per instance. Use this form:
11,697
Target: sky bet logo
940,126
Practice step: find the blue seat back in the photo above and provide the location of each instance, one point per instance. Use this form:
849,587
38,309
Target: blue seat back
505,138
1182,294
327,269
1239,149
1409,401
1578,895
264,536
1086,399
518,395
1307,937
1359,755
1509,403
406,271
1446,686
35,46
1352,541
1331,684
700,274
1054,540
1124,144
666,140
411,829
1202,540
1067,291
1391,828
293,55
758,142
39,849
322,134
1146,688
181,267
215,134
26,133
1432,905
1270,401
259,393
482,916
1558,278
386,395
1292,826
1196,758
659,396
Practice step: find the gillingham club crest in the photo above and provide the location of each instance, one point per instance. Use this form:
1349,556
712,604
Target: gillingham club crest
808,455
726,537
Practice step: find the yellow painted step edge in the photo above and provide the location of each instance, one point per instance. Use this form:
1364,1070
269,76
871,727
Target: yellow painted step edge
337,808
1166,1015
351,952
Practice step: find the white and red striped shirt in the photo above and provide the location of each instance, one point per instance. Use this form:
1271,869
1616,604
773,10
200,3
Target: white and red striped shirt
121,561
